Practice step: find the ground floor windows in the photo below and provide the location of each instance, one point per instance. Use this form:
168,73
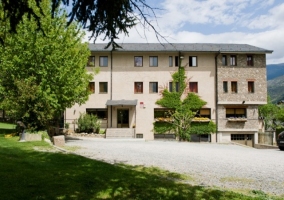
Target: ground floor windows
100,113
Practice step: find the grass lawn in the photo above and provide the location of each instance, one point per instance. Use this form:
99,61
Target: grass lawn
7,126
29,174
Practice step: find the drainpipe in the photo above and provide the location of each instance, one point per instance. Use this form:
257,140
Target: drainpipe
111,66
216,94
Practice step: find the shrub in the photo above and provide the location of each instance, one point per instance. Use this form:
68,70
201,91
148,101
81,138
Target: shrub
88,123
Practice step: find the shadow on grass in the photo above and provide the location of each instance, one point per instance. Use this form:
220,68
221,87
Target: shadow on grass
27,174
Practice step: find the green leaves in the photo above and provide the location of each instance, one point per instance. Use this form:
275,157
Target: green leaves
185,106
43,71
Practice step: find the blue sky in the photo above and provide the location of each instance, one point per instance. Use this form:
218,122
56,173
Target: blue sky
255,22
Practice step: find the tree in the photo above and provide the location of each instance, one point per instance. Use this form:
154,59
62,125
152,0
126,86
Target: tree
273,115
183,107
43,73
100,17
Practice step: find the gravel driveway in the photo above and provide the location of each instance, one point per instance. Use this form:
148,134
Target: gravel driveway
222,165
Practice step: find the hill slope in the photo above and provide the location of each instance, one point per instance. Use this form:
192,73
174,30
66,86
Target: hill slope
275,89
274,71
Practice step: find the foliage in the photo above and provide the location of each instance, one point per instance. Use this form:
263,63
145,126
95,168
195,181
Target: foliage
40,70
88,123
273,115
30,174
99,17
162,127
202,127
183,107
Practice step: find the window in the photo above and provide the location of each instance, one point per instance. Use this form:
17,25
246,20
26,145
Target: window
138,87
225,86
241,136
249,61
138,61
204,112
173,88
153,61
193,87
235,113
103,61
176,61
103,87
192,61
233,60
224,60
92,87
170,61
91,61
234,87
153,87
250,87
100,113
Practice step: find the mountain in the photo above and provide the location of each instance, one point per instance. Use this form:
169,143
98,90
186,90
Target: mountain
274,71
275,89
275,82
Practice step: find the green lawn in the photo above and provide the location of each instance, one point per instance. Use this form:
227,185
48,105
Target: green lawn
7,126
29,174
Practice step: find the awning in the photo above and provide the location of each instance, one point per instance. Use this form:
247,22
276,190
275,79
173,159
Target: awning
121,102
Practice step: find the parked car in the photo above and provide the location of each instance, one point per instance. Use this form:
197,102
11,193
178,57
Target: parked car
280,141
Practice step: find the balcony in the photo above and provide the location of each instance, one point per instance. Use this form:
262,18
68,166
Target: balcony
237,119
201,119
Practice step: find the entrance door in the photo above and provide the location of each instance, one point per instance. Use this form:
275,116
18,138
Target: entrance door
122,118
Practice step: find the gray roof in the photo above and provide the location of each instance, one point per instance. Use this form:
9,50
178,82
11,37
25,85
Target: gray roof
121,102
183,47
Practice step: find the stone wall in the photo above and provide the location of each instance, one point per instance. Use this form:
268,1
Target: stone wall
242,74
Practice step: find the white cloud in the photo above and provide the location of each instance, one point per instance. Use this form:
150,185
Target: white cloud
274,18
184,13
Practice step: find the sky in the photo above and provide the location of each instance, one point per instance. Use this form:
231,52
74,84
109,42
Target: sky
255,22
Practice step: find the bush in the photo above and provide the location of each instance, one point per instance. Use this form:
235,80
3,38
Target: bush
88,123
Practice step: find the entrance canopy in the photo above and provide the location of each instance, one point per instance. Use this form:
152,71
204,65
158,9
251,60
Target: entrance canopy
121,102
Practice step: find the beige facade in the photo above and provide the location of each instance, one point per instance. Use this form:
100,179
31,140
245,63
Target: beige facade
127,82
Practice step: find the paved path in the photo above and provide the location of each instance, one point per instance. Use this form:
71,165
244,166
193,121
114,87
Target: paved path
222,165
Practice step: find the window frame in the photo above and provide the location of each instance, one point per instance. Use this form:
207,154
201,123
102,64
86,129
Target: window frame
91,61
251,87
151,88
102,85
135,87
91,87
249,60
191,63
153,57
224,60
95,111
171,87
235,113
102,61
225,86
171,61
199,113
138,61
176,61
232,87
192,85
233,60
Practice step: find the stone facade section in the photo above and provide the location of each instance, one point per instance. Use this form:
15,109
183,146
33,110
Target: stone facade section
251,124
242,73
